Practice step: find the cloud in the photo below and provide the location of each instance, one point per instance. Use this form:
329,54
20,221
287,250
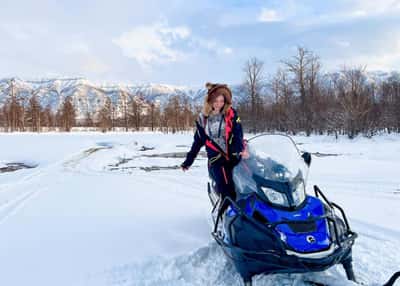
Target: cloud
227,51
161,44
23,32
154,44
235,17
383,62
16,32
78,51
94,65
387,57
269,15
352,11
212,46
301,14
343,44
77,47
372,7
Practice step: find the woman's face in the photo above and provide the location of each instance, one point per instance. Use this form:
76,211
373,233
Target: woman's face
218,103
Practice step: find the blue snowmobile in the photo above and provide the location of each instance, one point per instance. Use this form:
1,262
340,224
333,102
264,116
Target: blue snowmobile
274,226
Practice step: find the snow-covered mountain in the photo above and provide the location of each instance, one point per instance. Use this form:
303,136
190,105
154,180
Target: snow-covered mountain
91,97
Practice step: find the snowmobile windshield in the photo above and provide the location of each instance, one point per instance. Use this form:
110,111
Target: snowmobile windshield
275,170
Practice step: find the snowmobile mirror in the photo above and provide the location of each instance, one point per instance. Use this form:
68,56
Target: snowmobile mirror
307,158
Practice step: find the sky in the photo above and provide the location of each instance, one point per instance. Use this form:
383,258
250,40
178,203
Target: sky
184,42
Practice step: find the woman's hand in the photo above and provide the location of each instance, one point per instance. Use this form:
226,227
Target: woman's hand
244,154
184,167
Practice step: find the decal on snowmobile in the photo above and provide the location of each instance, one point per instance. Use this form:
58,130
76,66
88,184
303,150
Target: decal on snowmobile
310,239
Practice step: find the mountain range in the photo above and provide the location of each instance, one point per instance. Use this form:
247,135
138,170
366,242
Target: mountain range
89,97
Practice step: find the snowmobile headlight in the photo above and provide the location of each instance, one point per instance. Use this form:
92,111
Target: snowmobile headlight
299,194
275,197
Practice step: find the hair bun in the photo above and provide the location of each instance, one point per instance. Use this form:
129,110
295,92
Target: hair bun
209,85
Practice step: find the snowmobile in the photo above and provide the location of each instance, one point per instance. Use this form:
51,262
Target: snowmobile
274,226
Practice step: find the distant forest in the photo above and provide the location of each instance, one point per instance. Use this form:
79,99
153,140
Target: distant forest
298,98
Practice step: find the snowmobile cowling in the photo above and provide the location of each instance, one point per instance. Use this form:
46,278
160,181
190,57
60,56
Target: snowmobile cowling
274,226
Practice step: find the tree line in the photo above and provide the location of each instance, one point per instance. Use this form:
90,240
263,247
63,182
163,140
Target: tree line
299,97
133,113
137,114
17,115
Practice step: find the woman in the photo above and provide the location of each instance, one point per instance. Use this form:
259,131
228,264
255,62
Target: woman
219,128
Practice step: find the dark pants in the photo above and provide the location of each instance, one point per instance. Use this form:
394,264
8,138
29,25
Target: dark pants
222,175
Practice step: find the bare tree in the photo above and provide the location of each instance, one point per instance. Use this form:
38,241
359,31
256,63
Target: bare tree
88,122
104,117
136,109
172,114
283,112
14,111
354,99
125,108
253,83
154,115
47,118
67,114
305,67
33,114
3,117
390,103
187,115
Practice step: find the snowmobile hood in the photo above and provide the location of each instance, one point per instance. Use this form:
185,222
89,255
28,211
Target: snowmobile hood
300,231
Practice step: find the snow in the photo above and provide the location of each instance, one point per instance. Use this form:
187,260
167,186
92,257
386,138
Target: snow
88,215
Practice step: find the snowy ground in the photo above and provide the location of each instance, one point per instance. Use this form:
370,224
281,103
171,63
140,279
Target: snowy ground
98,210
